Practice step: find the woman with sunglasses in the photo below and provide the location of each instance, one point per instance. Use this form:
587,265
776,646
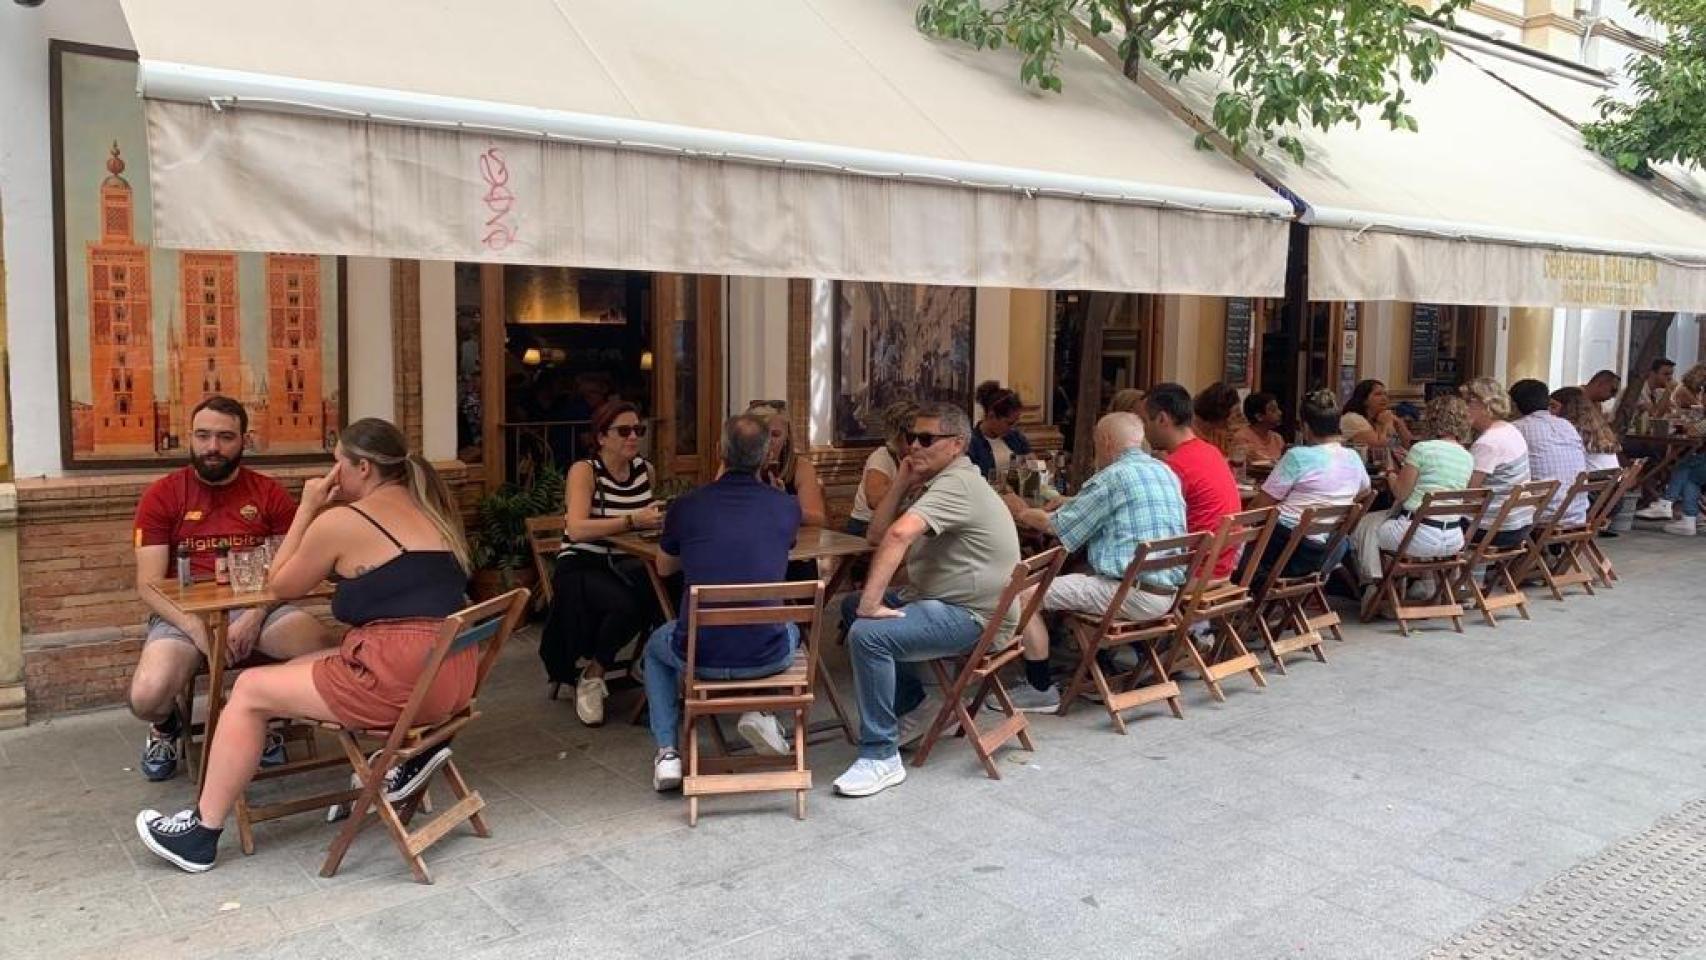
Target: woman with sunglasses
603,597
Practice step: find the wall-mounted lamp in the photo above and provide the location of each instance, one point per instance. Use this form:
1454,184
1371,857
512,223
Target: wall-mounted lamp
530,356
646,360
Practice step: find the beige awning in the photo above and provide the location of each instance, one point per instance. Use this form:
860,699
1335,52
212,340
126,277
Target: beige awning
1495,201
822,138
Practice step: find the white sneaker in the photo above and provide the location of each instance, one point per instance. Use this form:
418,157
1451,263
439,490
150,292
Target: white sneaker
1681,527
1657,510
866,777
590,694
763,734
914,725
666,772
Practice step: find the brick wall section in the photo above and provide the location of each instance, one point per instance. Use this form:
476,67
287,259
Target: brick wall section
82,620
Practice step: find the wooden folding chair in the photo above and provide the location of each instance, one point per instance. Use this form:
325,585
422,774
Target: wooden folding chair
1280,612
1556,553
485,627
799,603
1498,587
1399,568
983,664
1600,516
1222,603
1123,692
545,541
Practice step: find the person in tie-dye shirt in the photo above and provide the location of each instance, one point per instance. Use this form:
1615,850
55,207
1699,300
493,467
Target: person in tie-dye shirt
1319,472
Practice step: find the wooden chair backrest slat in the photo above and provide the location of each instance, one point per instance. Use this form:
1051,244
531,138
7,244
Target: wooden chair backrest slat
799,602
489,624
1440,505
1249,531
1533,495
1331,523
1154,556
545,540
1591,485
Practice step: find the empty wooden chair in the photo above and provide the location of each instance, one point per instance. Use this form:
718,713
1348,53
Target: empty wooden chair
1400,568
799,603
981,667
1556,552
1600,516
545,541
1496,586
1220,604
1188,556
484,626
1281,614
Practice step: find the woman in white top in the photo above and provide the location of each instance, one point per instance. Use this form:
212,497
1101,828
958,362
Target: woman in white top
881,465
1501,458
1369,420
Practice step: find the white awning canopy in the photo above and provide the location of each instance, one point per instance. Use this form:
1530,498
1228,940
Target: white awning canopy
1494,201
820,138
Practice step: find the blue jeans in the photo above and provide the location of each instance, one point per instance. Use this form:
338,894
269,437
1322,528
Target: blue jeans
663,679
883,652
1685,483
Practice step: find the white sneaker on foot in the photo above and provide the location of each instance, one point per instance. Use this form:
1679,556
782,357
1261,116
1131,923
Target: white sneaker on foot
866,777
590,694
763,734
666,772
1660,509
1681,527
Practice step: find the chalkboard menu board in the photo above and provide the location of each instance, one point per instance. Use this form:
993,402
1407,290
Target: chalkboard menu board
1240,314
1424,342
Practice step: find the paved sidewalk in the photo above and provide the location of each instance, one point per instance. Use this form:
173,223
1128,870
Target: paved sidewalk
1375,806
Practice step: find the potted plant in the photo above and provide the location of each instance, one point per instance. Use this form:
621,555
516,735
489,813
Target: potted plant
500,552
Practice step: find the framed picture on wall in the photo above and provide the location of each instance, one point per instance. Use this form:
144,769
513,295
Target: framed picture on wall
146,333
898,341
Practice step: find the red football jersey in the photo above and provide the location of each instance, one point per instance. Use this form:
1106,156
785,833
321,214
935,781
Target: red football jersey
180,508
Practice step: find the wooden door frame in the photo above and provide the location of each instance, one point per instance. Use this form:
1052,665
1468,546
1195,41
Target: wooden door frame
669,299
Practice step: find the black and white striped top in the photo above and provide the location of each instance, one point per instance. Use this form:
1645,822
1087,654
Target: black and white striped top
611,498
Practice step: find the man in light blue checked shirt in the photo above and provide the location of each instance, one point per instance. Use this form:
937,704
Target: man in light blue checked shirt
1132,498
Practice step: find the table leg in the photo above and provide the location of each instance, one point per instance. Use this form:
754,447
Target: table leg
216,624
825,682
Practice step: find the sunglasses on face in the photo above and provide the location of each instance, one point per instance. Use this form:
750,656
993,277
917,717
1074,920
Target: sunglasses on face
926,439
625,431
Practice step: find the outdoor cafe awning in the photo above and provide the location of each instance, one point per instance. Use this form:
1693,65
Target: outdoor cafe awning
820,138
1494,201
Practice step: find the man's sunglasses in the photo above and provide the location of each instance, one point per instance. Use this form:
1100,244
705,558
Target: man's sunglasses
624,431
926,439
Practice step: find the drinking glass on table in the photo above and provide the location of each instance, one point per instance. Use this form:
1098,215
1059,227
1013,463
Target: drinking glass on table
245,571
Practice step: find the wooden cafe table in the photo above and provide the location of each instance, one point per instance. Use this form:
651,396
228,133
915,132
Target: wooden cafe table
812,543
213,604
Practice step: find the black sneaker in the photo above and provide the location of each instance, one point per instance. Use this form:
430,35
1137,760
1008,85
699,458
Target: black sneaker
179,839
159,755
401,781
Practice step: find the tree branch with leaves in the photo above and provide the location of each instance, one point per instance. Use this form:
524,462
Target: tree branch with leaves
1286,64
1666,123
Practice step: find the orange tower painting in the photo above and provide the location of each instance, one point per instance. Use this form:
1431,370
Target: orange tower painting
121,349
210,344
295,414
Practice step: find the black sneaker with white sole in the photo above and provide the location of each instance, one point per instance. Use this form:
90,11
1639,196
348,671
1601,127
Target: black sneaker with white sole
179,839
401,781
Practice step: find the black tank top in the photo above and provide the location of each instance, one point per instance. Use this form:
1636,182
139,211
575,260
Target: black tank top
412,585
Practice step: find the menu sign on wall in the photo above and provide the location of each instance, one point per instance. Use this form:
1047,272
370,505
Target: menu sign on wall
1424,342
1240,314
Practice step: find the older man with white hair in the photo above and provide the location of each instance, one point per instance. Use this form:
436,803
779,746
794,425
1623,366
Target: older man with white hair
1132,498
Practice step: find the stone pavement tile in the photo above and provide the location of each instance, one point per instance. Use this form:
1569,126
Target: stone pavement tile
555,892
1329,844
1451,792
1484,867
676,925
54,863
316,943
1621,782
1390,815
345,898
933,916
904,850
1309,927
1530,834
240,932
69,922
1093,928
237,882
1407,901
680,857
1602,817
448,924
820,937
1660,763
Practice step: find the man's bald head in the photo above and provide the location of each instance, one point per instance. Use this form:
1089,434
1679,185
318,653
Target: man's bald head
1115,434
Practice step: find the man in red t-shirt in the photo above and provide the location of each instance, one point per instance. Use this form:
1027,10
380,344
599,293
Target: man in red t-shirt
211,504
1210,490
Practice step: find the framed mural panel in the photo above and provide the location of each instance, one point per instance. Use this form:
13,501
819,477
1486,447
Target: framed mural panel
898,341
146,333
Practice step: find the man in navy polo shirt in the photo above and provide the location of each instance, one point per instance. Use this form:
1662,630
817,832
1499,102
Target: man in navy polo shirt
734,530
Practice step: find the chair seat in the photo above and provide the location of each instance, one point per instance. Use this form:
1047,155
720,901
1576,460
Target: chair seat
794,676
